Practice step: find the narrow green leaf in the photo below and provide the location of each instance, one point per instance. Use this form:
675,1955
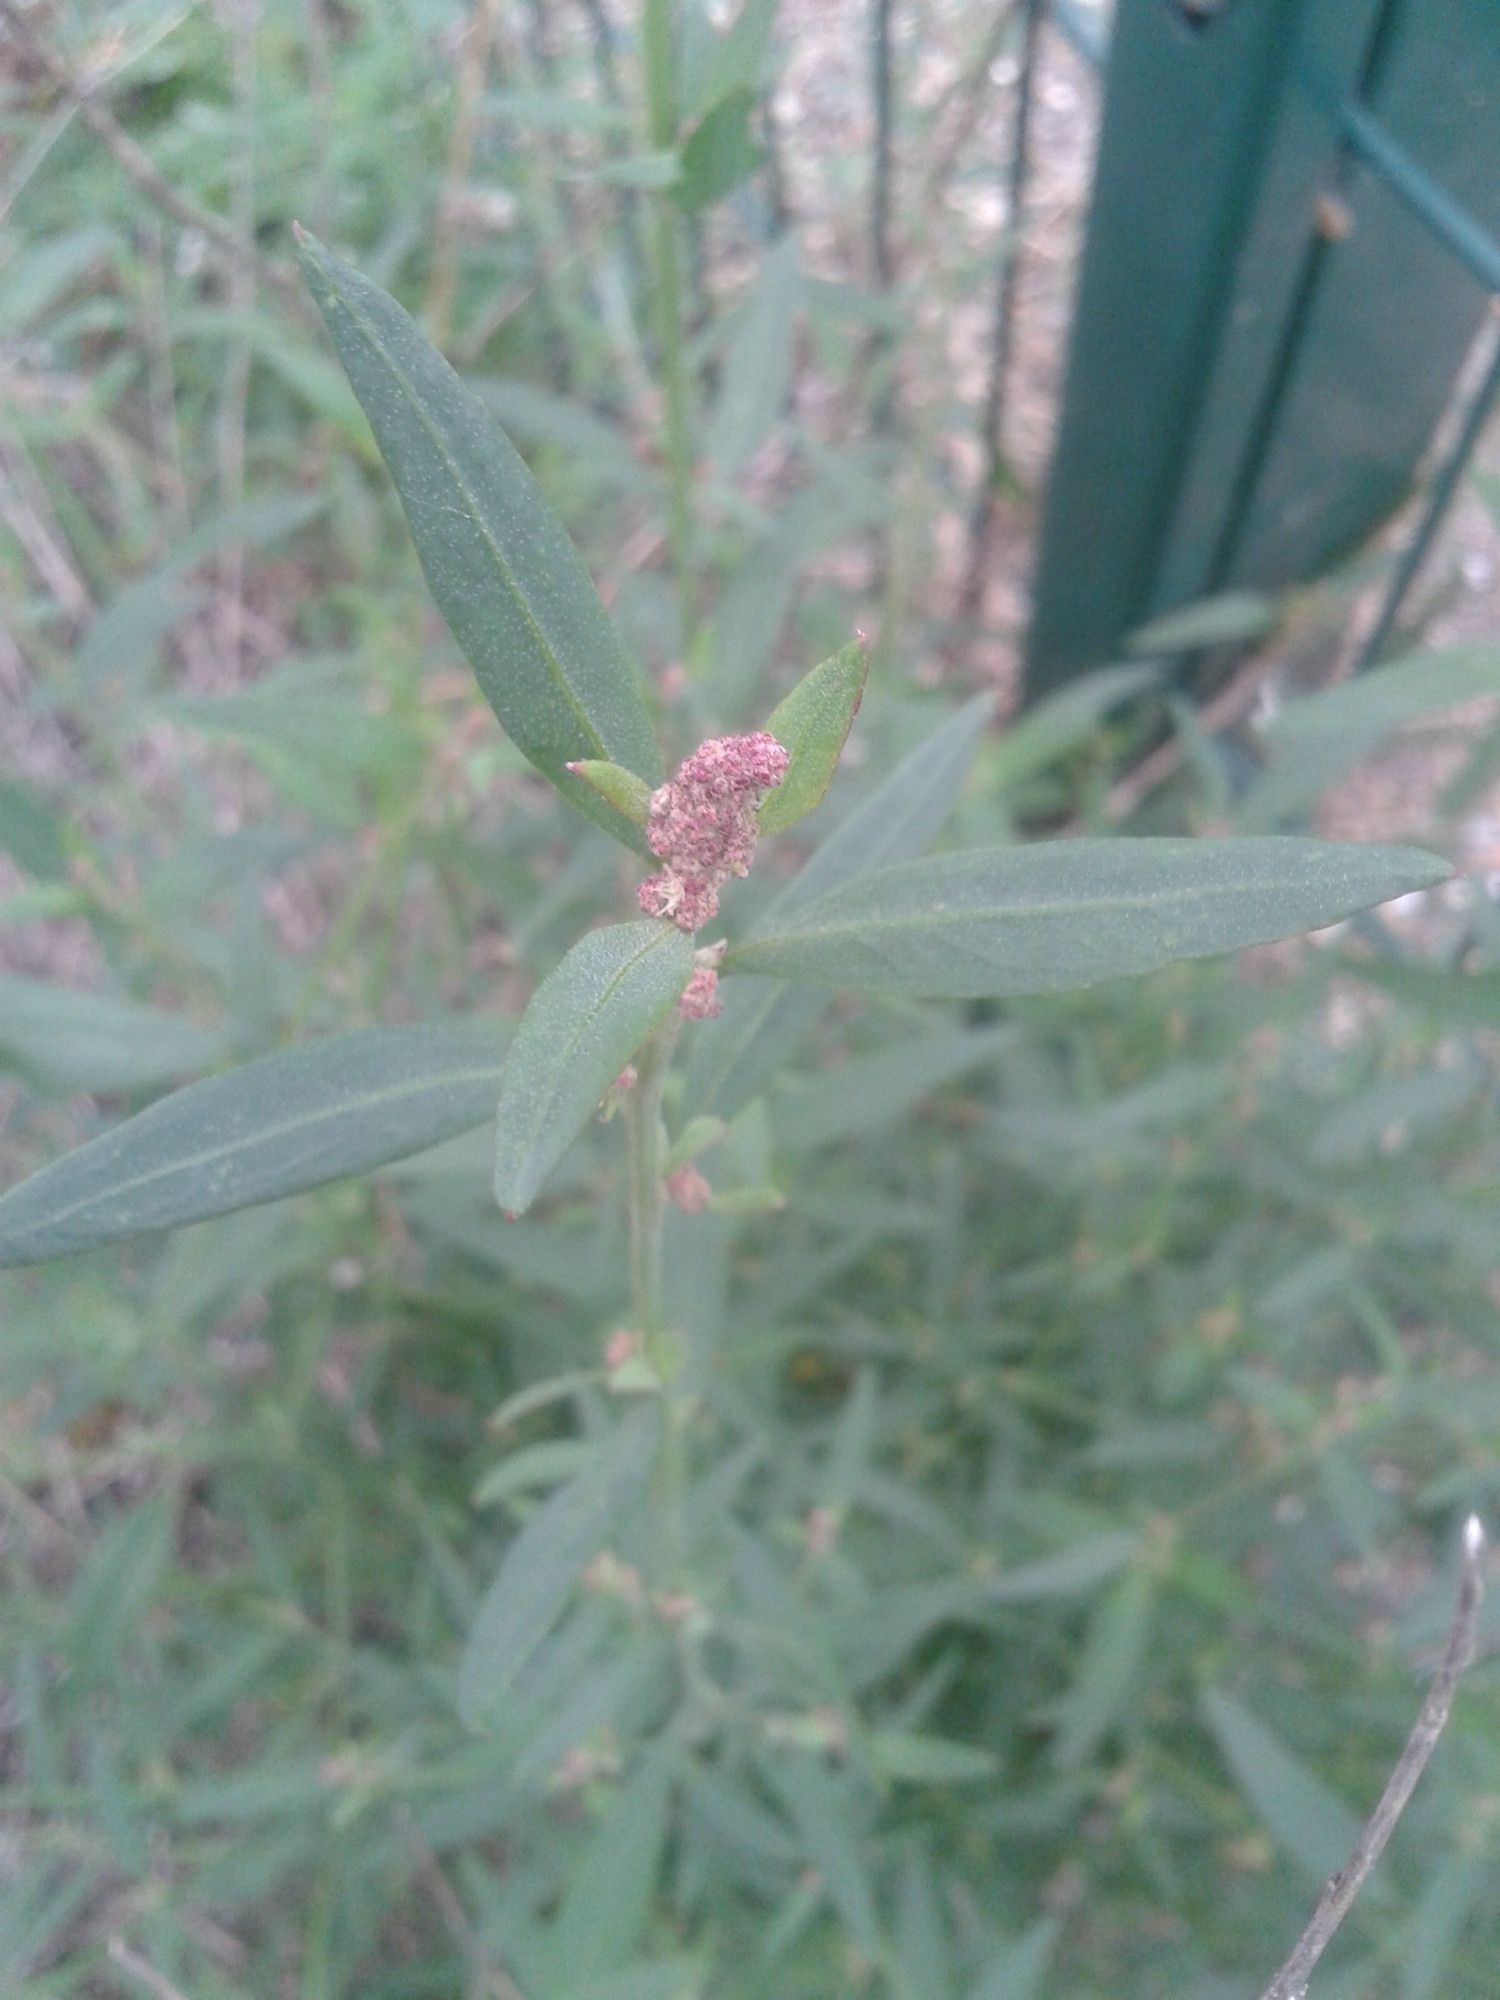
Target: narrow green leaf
1443,995
123,1572
613,1884
1062,1575
660,1979
757,367
557,111
299,362
1456,1881
924,1952
719,153
36,278
649,173
1315,1828
271,1128
740,55
66,1038
901,815
622,789
1017,1969
695,1137
498,561
1233,618
1115,1643
31,833
853,1444
907,1758
871,1092
587,441
1318,739
812,725
832,1843
583,1024
125,640
1067,913
850,494
533,1466
1058,724
542,1565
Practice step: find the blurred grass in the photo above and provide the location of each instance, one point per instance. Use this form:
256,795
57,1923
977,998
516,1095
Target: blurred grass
1083,1440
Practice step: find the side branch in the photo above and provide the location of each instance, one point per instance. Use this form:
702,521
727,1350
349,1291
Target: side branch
1338,1897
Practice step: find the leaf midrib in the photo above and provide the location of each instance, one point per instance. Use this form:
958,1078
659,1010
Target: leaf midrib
191,1161
1080,906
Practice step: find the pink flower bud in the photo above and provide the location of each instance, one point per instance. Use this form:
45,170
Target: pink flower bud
700,997
622,1346
689,1190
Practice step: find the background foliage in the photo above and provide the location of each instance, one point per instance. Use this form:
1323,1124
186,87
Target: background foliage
1092,1384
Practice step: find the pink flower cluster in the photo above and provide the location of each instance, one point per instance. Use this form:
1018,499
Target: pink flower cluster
700,997
702,825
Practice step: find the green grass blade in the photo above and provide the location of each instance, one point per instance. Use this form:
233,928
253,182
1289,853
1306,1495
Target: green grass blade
541,1566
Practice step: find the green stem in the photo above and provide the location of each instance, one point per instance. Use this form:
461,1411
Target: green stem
646,1152
668,307
645,1145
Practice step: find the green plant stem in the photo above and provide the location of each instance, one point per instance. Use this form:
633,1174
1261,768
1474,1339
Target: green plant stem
665,1348
668,309
646,1158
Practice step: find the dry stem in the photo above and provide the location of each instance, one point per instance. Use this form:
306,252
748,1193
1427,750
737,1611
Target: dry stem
1338,1897
442,280
135,164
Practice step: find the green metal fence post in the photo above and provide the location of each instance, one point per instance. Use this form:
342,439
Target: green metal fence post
1189,114
1293,236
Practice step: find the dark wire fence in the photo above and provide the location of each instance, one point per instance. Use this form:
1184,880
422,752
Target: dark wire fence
1364,144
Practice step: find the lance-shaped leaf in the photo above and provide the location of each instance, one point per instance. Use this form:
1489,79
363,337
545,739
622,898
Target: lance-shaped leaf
719,152
499,562
1066,913
542,1564
583,1024
1315,740
273,1127
812,725
1314,1825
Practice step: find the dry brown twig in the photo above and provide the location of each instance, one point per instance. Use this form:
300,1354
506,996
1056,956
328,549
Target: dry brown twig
473,64
1234,701
1339,1895
144,1975
136,164
485,1978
